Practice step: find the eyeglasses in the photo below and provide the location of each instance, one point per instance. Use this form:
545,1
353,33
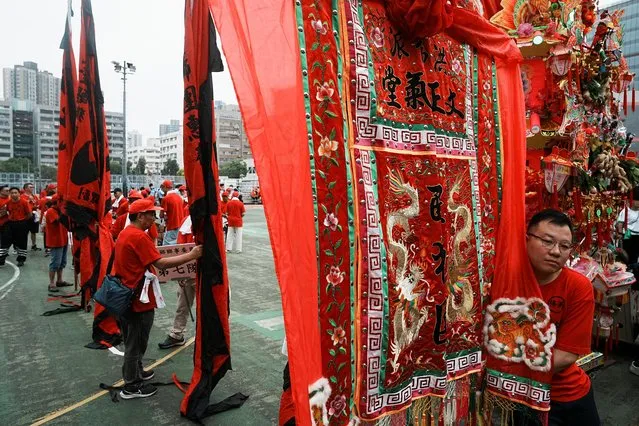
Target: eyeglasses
564,246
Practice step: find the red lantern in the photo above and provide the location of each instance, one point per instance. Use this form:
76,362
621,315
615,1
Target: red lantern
557,170
560,63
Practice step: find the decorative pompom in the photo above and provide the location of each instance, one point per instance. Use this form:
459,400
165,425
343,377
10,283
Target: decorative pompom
417,19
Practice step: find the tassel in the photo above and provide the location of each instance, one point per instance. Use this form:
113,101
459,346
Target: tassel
588,241
600,236
555,197
625,102
633,98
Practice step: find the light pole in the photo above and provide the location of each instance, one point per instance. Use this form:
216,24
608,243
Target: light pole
124,68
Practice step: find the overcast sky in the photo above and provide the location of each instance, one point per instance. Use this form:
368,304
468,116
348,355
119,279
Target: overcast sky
150,34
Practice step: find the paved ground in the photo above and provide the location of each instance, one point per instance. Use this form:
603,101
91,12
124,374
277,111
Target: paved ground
44,366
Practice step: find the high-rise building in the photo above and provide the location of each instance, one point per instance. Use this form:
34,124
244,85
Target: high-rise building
6,130
134,139
151,153
24,140
630,49
232,142
24,82
173,126
48,89
171,147
46,121
115,133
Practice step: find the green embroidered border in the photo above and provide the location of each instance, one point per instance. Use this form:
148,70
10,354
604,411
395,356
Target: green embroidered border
309,126
524,380
335,5
498,140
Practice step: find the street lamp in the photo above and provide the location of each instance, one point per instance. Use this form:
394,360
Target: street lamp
124,68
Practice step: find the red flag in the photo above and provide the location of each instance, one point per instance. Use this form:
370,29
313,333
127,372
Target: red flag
212,356
69,84
88,198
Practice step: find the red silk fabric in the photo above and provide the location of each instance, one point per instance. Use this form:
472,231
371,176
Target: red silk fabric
262,51
417,19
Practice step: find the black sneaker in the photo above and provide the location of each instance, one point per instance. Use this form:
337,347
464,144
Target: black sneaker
21,263
142,391
170,342
35,248
147,374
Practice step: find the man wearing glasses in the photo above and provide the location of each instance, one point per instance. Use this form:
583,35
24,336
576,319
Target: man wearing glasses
570,298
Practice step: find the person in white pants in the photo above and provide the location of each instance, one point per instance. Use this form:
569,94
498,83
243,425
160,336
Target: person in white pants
235,211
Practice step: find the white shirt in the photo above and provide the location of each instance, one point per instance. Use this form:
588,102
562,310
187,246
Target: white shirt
633,220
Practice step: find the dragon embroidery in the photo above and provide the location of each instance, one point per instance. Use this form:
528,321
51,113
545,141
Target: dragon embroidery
408,318
460,304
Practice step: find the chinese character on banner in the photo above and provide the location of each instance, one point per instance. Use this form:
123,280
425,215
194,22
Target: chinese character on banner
179,272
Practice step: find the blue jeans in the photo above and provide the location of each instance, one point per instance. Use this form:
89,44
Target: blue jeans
58,259
170,237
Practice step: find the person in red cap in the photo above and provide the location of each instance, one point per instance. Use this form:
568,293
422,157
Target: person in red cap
173,214
34,225
17,231
121,205
57,242
123,221
135,259
234,213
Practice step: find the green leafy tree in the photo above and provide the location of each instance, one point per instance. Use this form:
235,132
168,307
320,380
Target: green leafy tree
129,167
140,168
234,169
180,172
48,173
116,167
171,167
16,165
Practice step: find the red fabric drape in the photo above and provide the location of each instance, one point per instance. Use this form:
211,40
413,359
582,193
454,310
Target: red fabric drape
66,134
88,193
263,54
212,358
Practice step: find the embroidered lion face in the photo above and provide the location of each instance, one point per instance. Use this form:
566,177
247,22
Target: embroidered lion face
519,331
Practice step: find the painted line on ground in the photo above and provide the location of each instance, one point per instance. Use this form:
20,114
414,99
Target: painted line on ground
62,411
14,278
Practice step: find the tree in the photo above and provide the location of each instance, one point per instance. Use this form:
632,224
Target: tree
140,168
16,165
234,169
180,172
48,173
116,167
171,167
129,167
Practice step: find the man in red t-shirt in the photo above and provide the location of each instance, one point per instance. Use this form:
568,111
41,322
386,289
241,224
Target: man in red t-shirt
57,242
173,214
16,232
570,298
34,226
135,254
120,205
234,213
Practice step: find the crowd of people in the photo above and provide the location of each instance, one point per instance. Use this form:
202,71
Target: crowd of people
137,233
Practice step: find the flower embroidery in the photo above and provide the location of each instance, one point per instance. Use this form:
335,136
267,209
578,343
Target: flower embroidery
487,246
525,29
338,405
488,210
326,147
486,85
486,159
456,66
319,26
331,221
339,336
324,92
335,276
377,37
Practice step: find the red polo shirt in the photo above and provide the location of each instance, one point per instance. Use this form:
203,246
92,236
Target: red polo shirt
572,305
234,211
57,235
173,206
18,210
134,254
